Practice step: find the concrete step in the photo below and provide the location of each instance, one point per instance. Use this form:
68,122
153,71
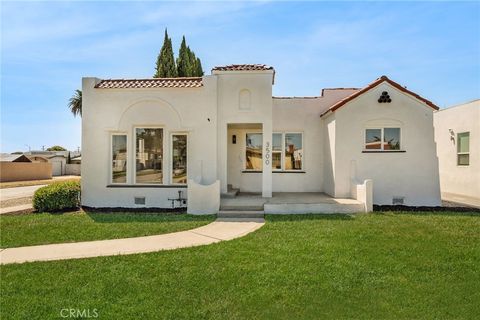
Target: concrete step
240,214
233,207
231,193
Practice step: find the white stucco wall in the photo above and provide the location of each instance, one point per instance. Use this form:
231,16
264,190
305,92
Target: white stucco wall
107,111
412,174
232,110
454,179
302,116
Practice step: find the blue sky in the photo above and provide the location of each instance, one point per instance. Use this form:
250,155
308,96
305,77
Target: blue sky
47,47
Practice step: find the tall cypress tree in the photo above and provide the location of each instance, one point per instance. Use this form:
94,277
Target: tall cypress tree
165,61
198,69
183,60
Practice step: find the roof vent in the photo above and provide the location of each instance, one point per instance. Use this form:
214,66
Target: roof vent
384,98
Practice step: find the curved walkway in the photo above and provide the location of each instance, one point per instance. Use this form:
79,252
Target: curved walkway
219,230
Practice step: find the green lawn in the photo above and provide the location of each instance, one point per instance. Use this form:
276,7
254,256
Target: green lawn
371,266
33,229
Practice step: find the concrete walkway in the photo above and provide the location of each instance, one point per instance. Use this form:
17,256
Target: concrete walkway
23,208
219,230
18,192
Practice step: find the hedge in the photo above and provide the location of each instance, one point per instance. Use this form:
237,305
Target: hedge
57,196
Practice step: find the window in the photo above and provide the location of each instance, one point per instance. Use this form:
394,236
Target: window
293,151
119,158
149,155
277,151
463,149
389,136
179,158
254,151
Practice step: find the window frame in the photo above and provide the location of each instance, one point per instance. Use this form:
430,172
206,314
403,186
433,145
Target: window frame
283,152
110,173
245,153
164,145
463,153
382,142
171,157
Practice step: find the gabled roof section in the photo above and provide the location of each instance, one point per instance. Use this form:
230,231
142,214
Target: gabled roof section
13,158
190,82
373,85
243,67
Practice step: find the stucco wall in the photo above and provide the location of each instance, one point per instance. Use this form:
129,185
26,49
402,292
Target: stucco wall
460,180
303,116
176,110
73,169
412,174
231,85
21,171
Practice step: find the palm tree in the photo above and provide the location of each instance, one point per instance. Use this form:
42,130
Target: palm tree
75,103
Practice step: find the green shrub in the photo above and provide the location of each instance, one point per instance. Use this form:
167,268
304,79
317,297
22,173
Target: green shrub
57,196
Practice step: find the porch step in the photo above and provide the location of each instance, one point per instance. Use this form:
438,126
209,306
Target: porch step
233,207
231,193
240,214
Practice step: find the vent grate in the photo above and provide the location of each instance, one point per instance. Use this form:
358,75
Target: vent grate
139,200
398,200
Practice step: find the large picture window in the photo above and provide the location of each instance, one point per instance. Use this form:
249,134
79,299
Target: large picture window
119,158
149,155
463,149
179,159
293,151
253,152
382,139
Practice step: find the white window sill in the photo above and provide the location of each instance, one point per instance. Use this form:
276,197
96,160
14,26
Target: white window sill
384,151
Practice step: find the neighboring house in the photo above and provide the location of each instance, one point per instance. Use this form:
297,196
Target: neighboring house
148,139
457,134
17,167
58,159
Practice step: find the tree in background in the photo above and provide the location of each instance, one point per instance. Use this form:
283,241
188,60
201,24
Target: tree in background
165,61
75,103
56,148
183,60
198,68
69,158
188,65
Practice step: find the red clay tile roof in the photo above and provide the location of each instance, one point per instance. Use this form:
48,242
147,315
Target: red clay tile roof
373,85
193,82
243,67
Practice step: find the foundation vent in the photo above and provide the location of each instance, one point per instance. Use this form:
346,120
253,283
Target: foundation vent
398,200
139,200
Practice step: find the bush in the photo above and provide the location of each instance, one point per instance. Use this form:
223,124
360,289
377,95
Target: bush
57,196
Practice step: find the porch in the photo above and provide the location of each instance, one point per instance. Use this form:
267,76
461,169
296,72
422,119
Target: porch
287,203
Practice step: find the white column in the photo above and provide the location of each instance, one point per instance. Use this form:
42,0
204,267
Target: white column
267,160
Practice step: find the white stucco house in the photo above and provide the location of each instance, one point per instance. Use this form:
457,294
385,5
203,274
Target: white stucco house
147,142
457,134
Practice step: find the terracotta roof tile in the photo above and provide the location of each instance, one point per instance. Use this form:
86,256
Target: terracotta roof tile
243,67
373,85
194,82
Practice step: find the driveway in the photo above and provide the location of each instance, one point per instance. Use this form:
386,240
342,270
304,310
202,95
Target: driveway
17,193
